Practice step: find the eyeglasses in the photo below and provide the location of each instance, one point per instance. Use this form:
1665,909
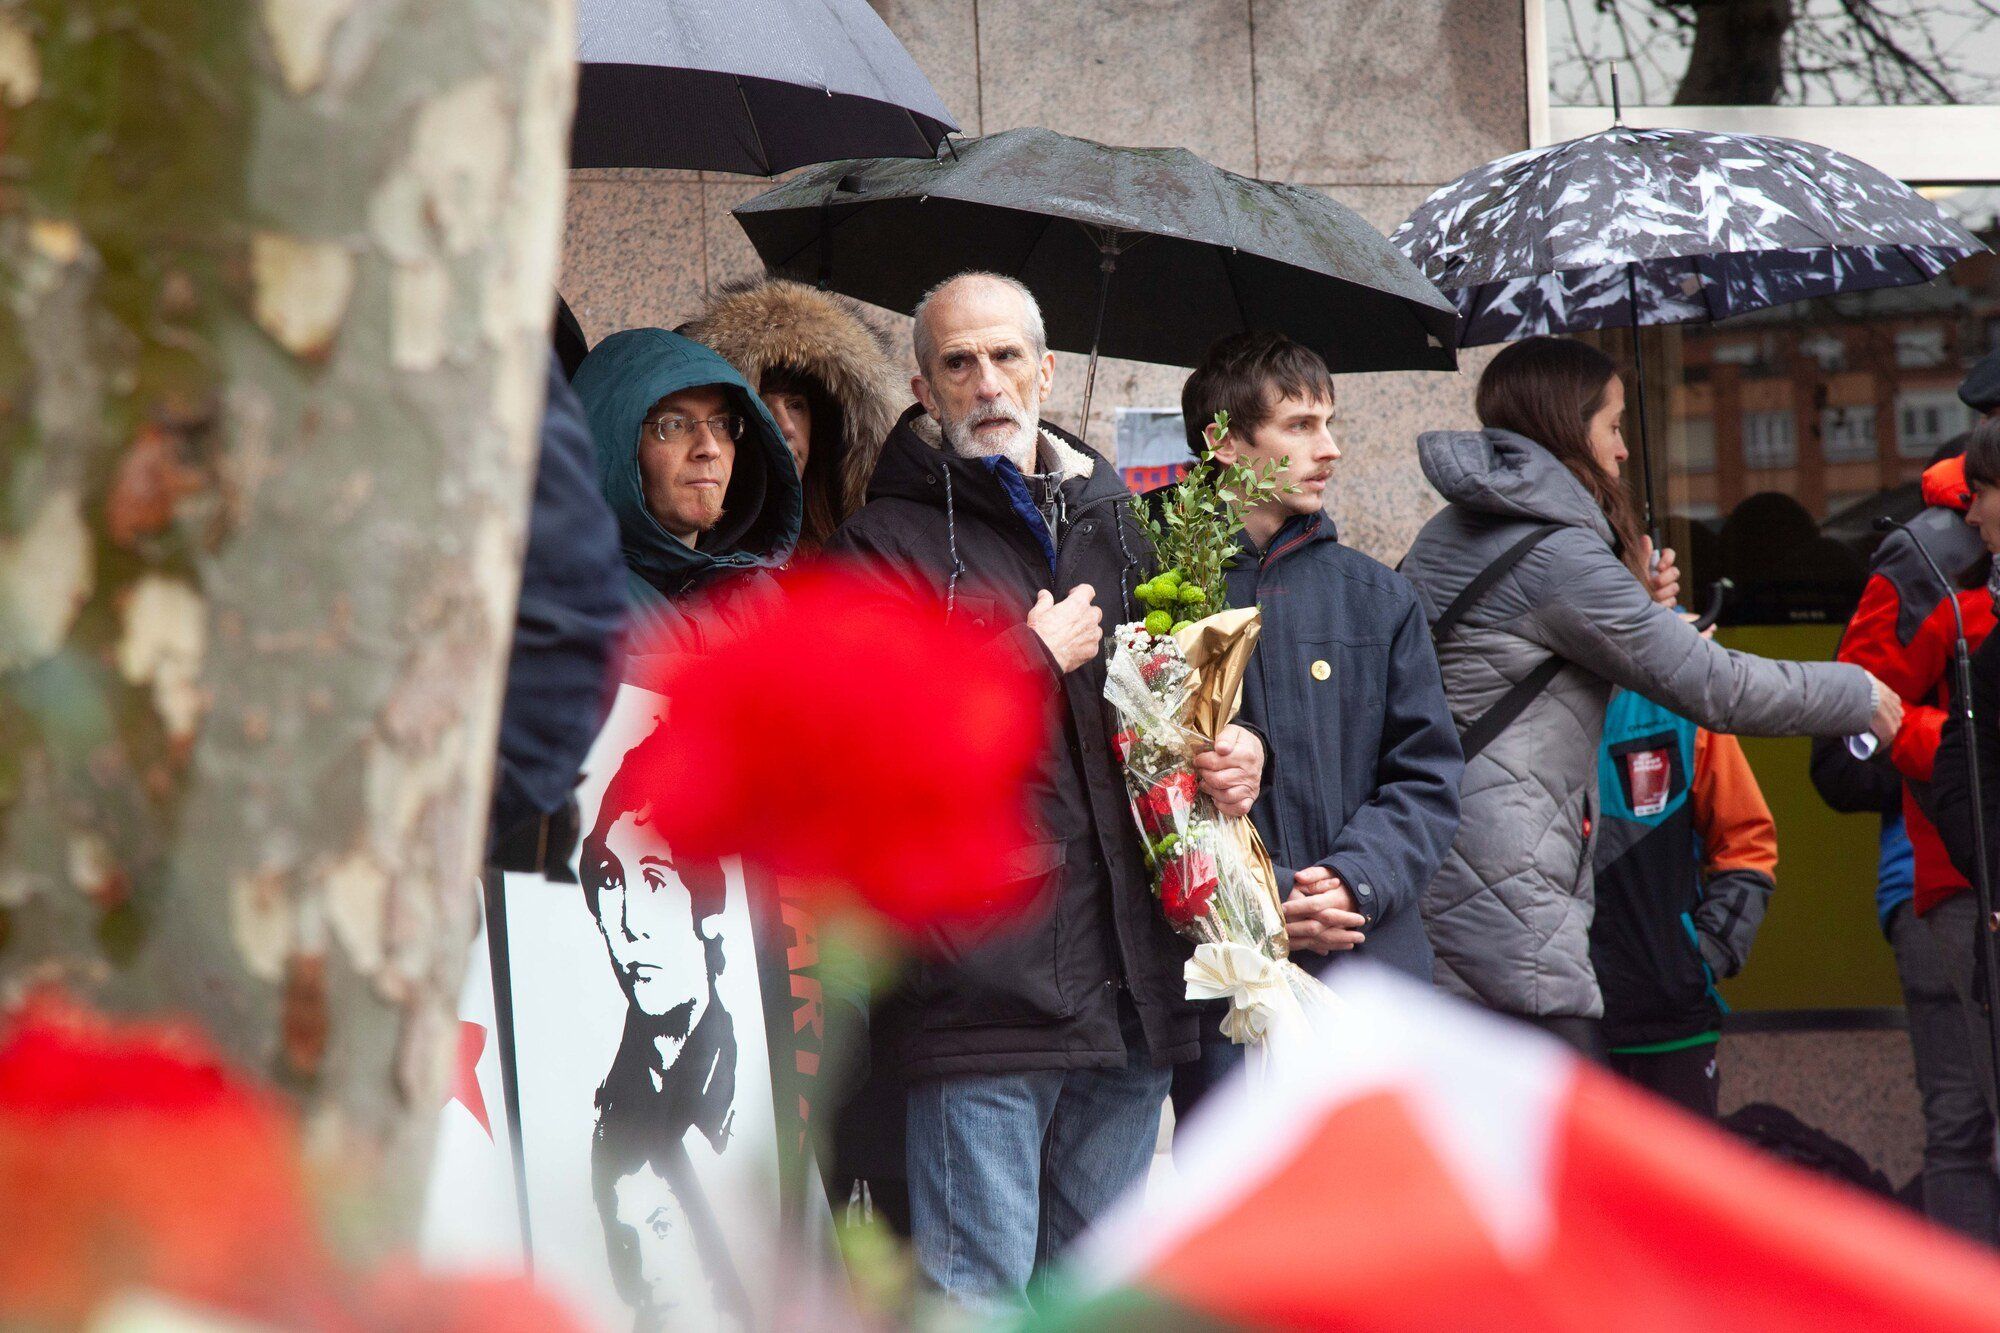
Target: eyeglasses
674,429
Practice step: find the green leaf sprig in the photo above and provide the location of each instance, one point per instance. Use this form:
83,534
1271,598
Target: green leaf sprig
1193,527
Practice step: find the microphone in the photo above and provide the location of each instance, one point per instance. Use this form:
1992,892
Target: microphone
1981,875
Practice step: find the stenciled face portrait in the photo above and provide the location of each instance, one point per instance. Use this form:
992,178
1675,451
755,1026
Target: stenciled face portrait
660,1242
657,934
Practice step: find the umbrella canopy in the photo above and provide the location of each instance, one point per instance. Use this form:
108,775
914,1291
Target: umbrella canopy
753,86
1655,226
1195,252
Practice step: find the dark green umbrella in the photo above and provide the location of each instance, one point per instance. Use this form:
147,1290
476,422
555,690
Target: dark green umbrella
1145,253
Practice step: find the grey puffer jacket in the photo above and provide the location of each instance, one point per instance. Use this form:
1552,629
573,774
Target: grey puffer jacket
1509,913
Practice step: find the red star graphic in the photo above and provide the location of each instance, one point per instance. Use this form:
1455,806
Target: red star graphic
465,1077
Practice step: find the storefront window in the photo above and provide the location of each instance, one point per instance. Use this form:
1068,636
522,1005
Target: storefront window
1779,438
1774,52
1782,434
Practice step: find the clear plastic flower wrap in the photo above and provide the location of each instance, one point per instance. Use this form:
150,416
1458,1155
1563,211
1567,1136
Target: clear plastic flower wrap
1173,693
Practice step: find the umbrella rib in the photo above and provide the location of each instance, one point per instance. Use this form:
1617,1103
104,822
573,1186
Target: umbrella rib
763,157
1048,220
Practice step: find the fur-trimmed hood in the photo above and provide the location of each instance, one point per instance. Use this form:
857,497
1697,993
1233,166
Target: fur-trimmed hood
769,322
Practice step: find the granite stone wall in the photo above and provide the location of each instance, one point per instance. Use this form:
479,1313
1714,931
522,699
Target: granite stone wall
1375,104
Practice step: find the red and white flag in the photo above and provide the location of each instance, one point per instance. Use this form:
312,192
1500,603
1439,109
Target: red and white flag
1438,1168
471,1221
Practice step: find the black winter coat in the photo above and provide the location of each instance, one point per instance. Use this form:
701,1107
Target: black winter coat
1045,993
1363,778
566,626
1949,797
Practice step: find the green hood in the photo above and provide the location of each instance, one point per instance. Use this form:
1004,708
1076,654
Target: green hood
619,382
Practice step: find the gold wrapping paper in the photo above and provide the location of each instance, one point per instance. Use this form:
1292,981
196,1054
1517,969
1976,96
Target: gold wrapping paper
1218,647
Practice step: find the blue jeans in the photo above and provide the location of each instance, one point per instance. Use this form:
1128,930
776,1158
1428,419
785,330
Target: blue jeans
1007,1169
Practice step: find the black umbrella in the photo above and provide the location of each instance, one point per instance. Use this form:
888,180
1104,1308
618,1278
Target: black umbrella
1628,227
753,86
1197,252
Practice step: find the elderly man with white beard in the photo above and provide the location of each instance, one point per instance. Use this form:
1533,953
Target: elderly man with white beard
1038,1052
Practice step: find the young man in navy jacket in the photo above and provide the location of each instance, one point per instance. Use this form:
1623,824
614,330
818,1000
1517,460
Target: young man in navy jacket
1360,798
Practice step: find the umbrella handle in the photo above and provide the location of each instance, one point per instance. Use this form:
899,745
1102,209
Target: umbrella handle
1716,597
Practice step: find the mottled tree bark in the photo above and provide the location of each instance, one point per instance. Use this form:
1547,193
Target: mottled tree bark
277,279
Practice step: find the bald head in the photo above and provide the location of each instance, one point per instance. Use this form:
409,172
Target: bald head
983,366
986,297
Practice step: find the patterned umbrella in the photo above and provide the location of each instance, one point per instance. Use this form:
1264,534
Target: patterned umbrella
1675,224
1652,226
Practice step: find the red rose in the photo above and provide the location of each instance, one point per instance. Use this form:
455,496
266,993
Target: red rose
1187,882
1165,805
1124,742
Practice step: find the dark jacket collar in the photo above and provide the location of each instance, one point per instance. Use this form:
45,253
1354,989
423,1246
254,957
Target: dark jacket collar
915,464
1298,532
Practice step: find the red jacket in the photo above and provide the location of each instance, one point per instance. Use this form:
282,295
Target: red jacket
1903,631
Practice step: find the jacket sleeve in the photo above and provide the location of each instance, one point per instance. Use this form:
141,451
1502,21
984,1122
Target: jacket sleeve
567,623
1911,669
1950,791
1393,845
1853,786
1739,842
1597,615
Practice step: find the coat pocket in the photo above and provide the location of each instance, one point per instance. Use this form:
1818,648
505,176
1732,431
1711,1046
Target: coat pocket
985,974
1338,683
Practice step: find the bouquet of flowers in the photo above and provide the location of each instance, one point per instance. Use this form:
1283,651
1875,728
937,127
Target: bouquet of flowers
1175,683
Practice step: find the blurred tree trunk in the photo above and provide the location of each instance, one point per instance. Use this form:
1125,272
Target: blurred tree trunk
1738,53
277,281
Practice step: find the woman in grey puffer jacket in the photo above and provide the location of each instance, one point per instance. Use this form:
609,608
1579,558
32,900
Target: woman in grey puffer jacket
1509,913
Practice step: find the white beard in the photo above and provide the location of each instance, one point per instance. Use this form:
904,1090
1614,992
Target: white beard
1018,447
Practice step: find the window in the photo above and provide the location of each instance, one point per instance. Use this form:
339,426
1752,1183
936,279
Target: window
1847,434
1698,444
1919,349
1863,53
1828,350
1785,509
1152,446
1926,418
1770,440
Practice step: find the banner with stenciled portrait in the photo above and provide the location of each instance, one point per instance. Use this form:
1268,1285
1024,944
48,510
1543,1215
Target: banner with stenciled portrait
657,1039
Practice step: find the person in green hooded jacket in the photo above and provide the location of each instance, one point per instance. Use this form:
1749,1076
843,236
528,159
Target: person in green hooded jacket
707,496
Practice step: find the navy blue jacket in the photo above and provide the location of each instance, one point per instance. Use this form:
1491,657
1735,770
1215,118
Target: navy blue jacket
1363,774
572,609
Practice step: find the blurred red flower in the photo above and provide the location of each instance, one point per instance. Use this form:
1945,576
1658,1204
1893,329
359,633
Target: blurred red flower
133,1161
130,1158
861,743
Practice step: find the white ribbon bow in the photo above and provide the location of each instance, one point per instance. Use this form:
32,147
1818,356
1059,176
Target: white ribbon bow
1252,983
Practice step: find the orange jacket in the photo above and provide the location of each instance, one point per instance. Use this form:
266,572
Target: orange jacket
1735,824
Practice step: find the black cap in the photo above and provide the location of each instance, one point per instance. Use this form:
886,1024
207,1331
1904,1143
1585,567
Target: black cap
1980,389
